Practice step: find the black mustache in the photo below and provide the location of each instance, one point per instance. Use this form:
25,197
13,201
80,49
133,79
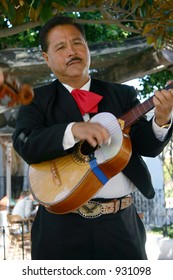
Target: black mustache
74,59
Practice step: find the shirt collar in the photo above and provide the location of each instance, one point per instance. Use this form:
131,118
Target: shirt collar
85,87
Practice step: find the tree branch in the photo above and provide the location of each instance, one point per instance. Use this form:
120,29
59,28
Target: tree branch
19,28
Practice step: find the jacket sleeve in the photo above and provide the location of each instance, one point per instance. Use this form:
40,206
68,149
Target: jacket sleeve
34,139
144,141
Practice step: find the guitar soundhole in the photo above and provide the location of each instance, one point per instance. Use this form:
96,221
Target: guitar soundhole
86,149
83,152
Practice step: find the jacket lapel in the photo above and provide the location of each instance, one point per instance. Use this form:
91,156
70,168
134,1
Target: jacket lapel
95,87
68,104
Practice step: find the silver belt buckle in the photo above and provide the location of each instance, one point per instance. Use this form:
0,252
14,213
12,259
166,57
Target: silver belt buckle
91,209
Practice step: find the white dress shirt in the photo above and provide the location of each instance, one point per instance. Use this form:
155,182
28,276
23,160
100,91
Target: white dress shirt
119,185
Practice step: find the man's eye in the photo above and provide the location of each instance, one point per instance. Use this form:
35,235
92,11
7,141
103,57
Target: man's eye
60,48
77,43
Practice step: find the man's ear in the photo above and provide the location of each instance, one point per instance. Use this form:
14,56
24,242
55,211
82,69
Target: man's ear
44,54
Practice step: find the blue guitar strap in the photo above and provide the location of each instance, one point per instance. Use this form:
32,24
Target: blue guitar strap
97,171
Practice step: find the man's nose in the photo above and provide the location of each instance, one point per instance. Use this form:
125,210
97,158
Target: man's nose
71,50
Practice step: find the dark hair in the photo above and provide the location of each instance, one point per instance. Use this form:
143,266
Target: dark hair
53,22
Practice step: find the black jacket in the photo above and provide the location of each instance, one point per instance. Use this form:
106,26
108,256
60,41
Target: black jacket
41,125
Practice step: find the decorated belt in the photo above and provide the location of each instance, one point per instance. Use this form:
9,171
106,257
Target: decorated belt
94,209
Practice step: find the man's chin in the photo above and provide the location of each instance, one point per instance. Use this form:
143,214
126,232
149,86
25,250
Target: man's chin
75,74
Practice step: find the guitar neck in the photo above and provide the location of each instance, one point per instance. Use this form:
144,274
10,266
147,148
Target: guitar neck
140,110
137,112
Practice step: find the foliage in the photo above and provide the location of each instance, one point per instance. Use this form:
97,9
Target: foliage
25,39
94,33
103,20
168,173
168,167
101,32
168,192
154,81
151,18
158,230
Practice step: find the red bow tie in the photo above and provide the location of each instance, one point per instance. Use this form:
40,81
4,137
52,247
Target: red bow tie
87,101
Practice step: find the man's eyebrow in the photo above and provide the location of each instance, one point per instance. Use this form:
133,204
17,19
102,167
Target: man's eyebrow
61,43
77,38
58,44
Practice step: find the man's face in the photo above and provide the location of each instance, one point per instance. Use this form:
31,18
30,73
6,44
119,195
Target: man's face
68,54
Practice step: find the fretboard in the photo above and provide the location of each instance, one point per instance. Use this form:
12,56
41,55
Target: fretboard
140,110
137,112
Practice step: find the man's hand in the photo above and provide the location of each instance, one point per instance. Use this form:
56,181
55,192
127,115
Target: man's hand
94,133
163,102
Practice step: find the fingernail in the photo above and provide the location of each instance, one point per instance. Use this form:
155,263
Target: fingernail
107,142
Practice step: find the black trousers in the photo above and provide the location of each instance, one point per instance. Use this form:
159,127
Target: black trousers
119,236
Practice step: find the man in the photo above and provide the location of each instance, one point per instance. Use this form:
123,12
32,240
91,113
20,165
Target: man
53,123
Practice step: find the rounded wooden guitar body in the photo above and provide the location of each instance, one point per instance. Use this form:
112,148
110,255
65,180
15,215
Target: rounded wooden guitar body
64,184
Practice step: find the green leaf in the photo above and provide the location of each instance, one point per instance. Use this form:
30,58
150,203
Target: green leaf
150,2
3,10
143,10
63,3
150,40
76,2
169,29
160,41
46,12
12,11
35,4
29,2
